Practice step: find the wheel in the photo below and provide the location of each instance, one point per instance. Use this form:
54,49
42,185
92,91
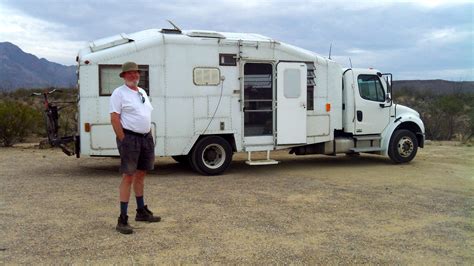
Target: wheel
51,128
211,155
403,146
183,159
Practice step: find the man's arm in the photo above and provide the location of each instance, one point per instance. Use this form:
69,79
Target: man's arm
117,125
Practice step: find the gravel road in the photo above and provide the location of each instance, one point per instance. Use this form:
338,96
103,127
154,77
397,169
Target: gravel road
308,209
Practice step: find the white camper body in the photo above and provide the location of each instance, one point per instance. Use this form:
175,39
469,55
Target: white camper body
215,93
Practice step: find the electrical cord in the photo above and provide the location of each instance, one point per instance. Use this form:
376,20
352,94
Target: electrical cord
217,107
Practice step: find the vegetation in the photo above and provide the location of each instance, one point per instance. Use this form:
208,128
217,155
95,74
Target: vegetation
447,116
22,115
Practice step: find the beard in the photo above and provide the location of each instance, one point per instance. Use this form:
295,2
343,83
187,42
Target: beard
133,83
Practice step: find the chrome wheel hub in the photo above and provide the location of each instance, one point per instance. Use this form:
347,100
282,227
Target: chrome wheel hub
405,147
213,156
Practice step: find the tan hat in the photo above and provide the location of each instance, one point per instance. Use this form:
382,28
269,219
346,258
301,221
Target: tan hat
129,66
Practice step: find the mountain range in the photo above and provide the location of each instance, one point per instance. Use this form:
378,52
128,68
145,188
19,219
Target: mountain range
23,70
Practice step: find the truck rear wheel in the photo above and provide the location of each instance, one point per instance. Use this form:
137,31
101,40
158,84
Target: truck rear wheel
211,155
403,146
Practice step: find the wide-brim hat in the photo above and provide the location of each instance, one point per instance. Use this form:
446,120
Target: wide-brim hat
129,66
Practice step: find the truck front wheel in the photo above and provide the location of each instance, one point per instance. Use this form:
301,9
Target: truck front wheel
211,155
403,146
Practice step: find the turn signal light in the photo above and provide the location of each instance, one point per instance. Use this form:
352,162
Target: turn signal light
328,107
87,127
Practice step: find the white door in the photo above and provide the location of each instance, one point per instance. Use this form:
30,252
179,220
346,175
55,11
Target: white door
372,115
291,103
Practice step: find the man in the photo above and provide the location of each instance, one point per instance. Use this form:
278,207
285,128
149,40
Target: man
130,115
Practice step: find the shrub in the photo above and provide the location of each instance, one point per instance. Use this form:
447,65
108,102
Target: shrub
16,122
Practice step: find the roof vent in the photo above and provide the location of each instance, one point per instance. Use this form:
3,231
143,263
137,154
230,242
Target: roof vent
108,42
205,34
175,30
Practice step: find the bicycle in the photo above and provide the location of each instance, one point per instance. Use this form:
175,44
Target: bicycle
51,116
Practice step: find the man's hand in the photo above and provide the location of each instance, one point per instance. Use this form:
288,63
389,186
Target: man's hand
117,125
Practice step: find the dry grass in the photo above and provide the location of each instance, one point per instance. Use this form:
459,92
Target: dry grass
314,209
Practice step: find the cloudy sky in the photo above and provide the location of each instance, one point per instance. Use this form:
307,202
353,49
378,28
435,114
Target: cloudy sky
421,39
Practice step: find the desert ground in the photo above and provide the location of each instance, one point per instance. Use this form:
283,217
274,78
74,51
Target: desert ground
305,210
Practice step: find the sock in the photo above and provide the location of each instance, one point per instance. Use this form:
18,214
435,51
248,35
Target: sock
140,202
123,208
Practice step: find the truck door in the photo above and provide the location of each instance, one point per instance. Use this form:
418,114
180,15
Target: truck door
291,103
371,114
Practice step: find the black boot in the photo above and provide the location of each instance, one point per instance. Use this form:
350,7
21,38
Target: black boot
123,226
145,215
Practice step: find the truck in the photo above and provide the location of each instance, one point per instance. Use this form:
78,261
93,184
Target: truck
218,93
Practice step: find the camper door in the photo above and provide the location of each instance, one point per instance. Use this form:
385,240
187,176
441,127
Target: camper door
291,103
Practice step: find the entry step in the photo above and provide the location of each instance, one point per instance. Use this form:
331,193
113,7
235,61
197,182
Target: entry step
366,149
368,137
261,162
266,161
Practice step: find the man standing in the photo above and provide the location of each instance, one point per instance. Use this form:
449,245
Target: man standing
130,115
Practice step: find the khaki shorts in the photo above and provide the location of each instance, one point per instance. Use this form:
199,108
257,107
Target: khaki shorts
136,153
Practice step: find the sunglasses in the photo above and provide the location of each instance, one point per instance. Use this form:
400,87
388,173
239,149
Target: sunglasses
142,97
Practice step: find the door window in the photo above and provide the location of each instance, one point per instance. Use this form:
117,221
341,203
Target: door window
370,88
258,99
292,83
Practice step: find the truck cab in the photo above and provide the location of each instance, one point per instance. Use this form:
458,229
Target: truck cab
375,122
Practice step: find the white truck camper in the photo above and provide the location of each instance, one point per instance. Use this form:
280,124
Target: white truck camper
217,93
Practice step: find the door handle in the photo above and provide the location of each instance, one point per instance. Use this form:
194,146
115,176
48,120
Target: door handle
359,116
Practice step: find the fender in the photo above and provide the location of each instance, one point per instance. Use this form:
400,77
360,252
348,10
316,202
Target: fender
405,120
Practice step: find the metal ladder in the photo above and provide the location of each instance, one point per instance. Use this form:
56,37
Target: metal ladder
267,161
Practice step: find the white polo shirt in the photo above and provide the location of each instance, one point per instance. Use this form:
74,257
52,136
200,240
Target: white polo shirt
134,114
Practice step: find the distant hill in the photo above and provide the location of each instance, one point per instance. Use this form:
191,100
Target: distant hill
436,86
22,70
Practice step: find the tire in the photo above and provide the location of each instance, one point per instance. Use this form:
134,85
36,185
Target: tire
403,146
182,159
51,128
211,155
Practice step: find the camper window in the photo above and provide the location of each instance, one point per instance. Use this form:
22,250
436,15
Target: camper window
109,78
227,59
206,76
310,84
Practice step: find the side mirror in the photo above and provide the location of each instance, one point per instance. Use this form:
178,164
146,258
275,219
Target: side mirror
388,97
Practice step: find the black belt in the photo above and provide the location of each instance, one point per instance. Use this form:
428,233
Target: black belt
126,131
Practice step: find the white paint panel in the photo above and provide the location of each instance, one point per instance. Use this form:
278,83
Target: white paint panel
318,125
214,125
102,137
179,117
223,108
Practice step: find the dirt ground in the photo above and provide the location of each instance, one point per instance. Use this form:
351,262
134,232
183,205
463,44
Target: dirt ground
307,209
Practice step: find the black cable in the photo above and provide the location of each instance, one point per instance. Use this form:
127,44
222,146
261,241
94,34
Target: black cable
217,107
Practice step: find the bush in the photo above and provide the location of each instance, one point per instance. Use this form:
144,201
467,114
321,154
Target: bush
16,122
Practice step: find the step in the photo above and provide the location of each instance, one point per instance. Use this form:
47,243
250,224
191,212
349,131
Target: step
258,148
261,162
368,137
266,161
366,149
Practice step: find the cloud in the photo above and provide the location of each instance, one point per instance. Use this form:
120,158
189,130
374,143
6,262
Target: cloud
36,36
398,36
445,36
